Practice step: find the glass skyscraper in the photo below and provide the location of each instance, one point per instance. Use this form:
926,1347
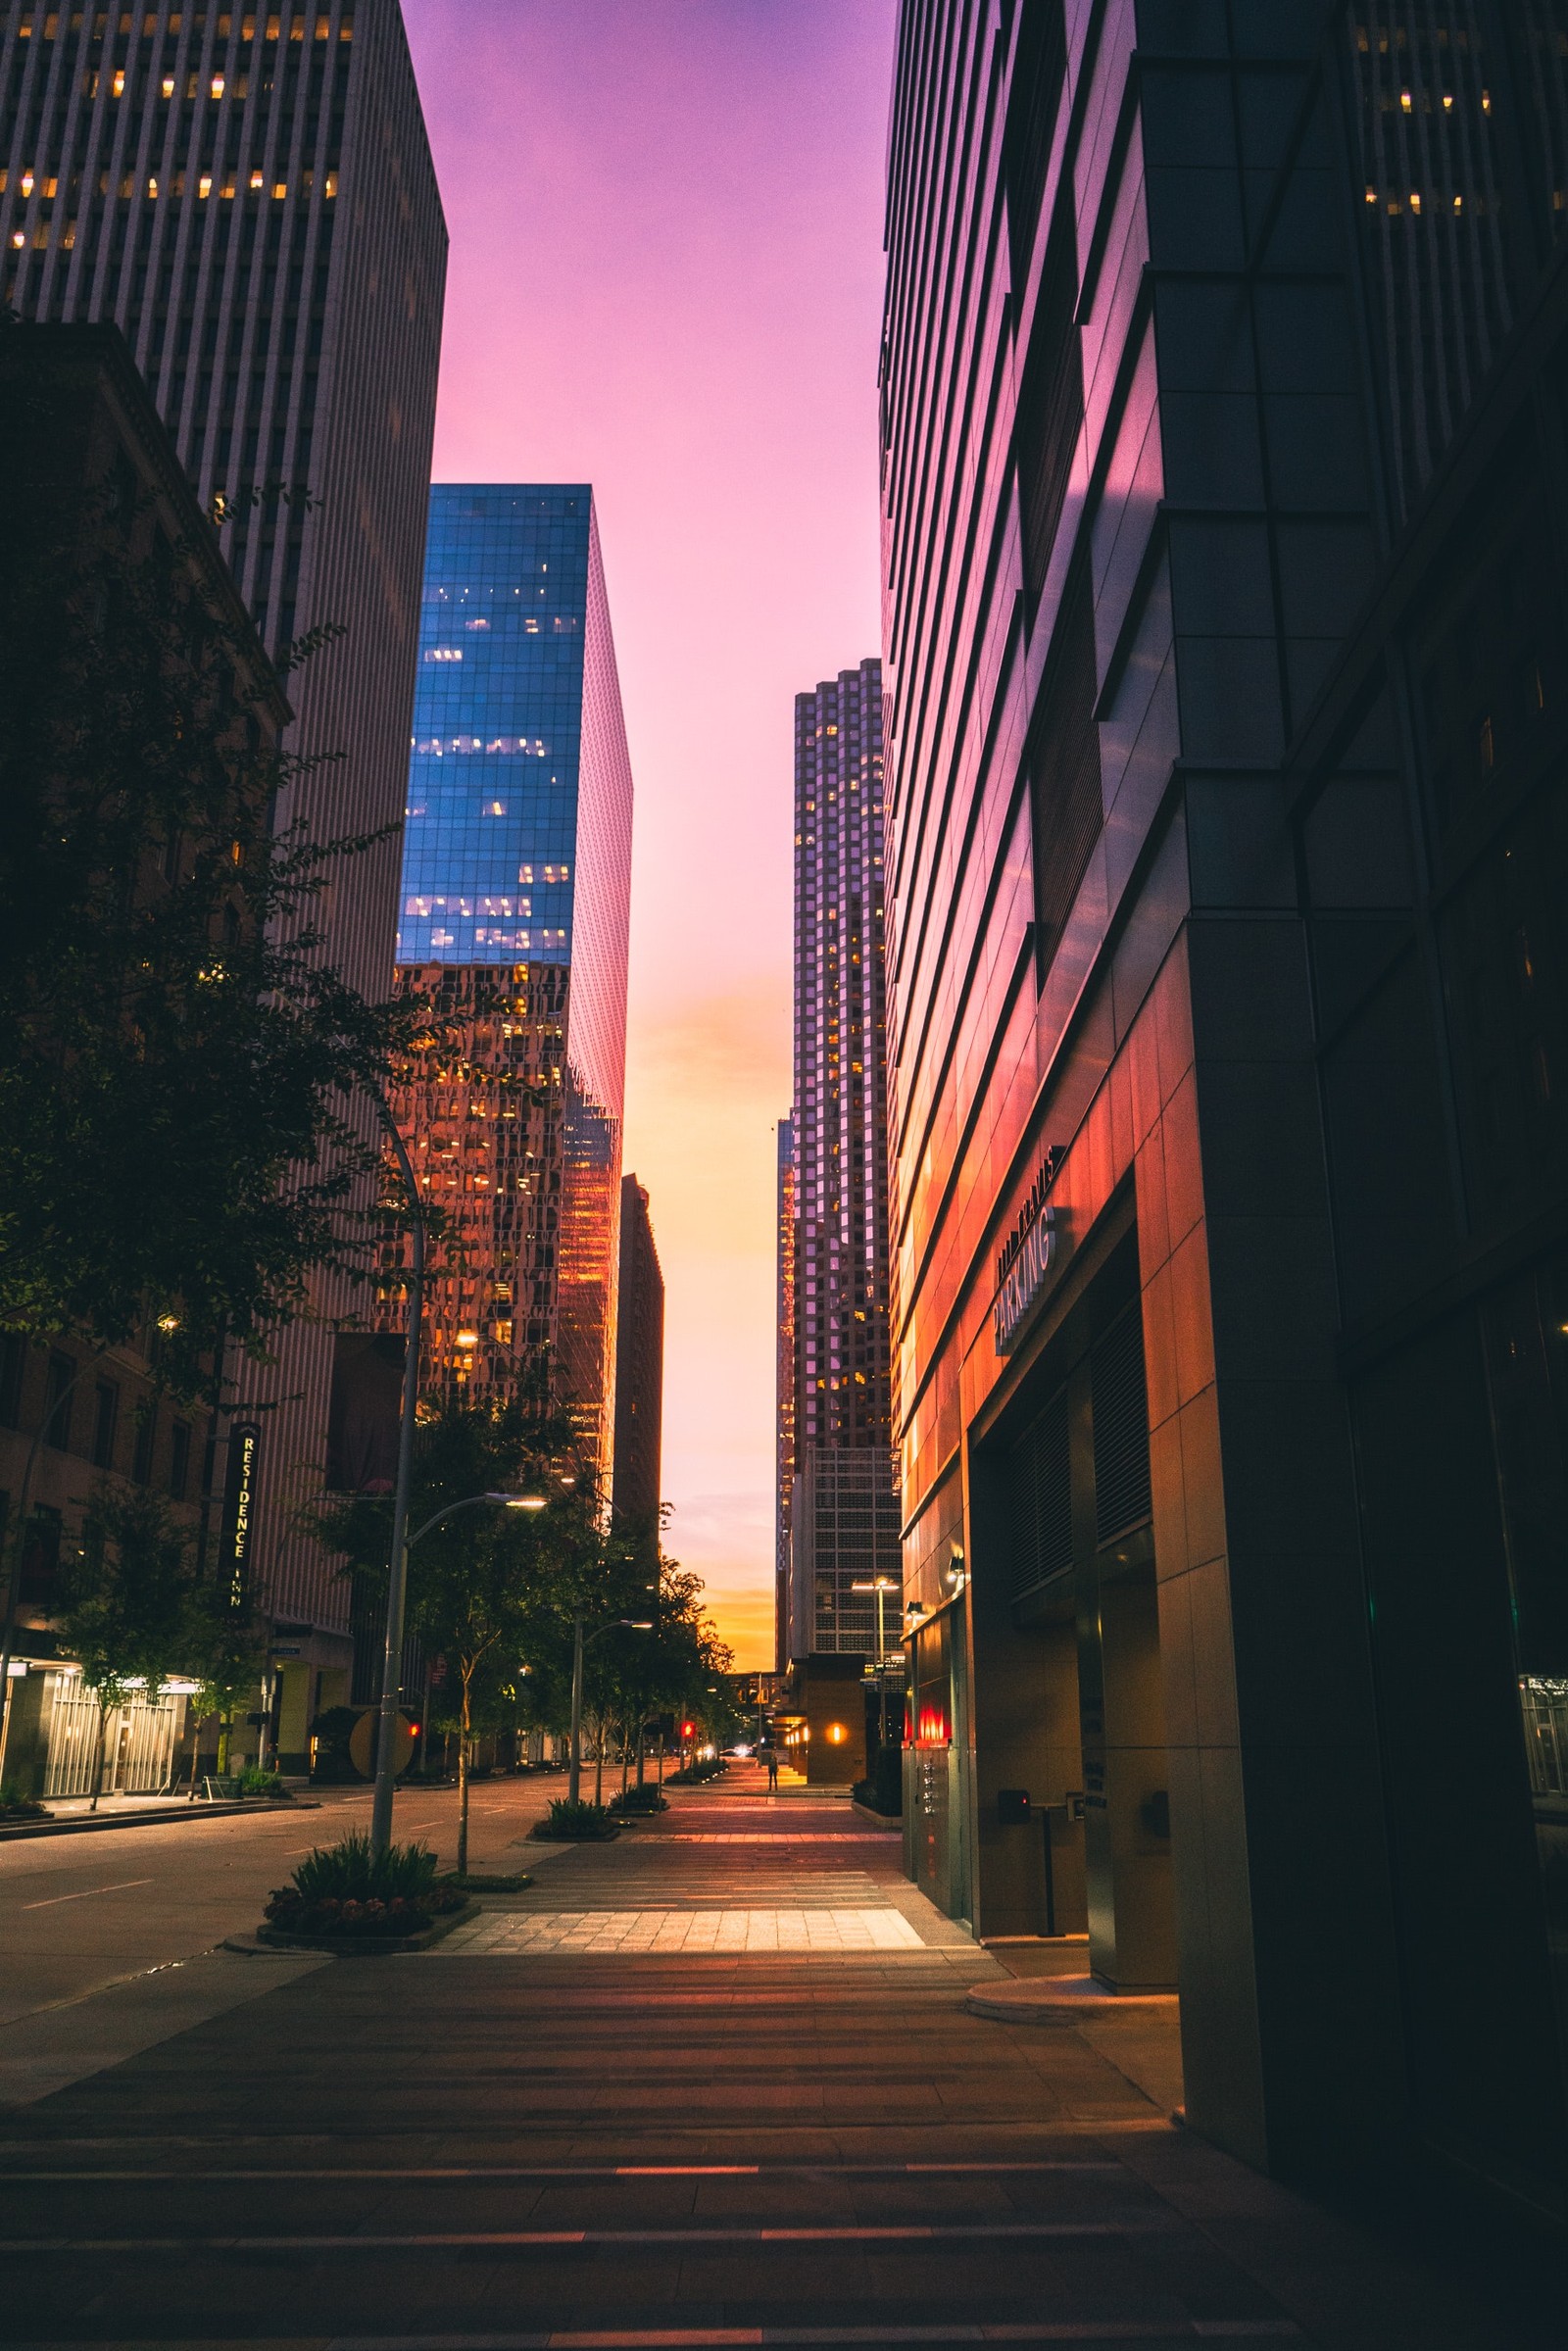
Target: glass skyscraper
516,873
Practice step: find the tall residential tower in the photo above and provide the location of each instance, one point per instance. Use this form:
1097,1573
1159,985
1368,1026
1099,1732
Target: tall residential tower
517,878
247,195
842,1512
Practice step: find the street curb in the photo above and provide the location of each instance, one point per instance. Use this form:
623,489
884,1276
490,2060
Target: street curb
269,1941
1061,2000
93,1822
892,1822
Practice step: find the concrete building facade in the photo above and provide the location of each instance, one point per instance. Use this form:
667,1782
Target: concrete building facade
637,1491
249,195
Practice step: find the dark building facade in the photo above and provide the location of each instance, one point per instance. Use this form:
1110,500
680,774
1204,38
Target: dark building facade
639,1364
84,454
842,1515
1225,514
516,880
249,195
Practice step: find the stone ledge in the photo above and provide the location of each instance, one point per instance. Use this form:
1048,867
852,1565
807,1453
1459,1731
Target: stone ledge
1063,2000
88,1821
271,1940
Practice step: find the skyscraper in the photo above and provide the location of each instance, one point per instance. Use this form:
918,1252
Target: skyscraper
249,195
516,877
639,1364
843,1511
1225,522
784,1392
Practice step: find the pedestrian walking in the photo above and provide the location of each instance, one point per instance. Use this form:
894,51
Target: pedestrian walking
770,1756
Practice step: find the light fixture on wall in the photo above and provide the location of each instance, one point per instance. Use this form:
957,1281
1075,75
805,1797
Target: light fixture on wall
957,1573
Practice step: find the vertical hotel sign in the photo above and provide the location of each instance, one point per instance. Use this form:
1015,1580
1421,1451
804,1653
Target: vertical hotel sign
240,1510
1025,1260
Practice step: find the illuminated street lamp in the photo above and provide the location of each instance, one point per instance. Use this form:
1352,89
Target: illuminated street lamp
579,1643
392,1675
881,1586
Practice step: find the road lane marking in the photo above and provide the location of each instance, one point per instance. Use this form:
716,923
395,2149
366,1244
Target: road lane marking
87,1891
415,2174
524,2240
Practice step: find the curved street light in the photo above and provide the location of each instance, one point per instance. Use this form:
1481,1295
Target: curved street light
579,1643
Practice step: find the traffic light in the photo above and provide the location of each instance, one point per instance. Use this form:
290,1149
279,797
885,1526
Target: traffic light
688,1729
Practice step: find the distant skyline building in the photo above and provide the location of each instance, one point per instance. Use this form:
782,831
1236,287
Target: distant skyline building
516,877
249,195
639,1364
842,1387
784,1391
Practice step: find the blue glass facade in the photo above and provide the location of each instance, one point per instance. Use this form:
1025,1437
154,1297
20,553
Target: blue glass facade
493,771
517,861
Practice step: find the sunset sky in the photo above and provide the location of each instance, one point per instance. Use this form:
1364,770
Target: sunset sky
666,279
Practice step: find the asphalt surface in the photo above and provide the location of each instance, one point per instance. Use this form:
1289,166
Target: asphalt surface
83,1911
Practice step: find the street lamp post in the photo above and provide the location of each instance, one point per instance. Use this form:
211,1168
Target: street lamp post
397,1581
579,1643
392,1675
881,1586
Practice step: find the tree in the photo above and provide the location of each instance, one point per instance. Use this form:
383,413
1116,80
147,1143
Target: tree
223,1651
125,1604
166,1007
486,1584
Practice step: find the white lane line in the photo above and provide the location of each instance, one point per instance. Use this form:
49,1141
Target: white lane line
86,1892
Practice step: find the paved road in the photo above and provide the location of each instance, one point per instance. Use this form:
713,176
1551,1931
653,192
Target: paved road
86,1910
620,2113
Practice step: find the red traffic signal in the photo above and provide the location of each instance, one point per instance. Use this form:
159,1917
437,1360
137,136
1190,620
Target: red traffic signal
688,1729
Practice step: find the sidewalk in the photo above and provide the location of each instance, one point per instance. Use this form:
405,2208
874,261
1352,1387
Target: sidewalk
714,2083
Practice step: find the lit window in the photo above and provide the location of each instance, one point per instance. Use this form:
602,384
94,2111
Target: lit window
257,180
168,86
119,85
217,86
203,185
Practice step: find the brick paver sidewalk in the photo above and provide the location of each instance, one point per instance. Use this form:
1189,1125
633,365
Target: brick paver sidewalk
713,2085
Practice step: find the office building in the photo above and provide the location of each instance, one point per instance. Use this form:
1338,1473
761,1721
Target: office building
249,195
517,877
842,1515
783,1388
639,1365
1224,524
95,499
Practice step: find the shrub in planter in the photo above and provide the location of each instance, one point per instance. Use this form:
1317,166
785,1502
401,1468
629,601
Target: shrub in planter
640,1799
691,1774
582,1819
256,1782
16,1807
347,1890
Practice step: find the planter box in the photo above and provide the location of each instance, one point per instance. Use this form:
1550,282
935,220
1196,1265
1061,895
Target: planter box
576,1837
366,1947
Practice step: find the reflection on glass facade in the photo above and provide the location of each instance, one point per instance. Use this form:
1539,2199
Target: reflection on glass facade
1224,524
516,874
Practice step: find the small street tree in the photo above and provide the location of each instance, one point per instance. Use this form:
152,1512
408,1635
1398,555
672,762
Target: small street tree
484,1583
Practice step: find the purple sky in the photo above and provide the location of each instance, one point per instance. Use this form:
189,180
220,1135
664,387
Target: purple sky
666,279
